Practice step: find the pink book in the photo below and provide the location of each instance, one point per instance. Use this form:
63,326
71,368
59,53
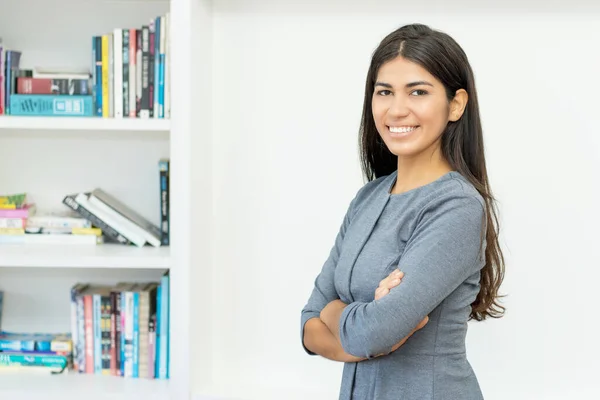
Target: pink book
24,212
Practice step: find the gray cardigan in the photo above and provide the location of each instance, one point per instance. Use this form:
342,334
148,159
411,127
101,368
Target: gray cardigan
434,234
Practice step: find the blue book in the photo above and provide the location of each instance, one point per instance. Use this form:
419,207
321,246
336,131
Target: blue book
97,324
51,105
29,361
1,301
13,61
161,86
98,68
136,334
157,343
163,366
35,342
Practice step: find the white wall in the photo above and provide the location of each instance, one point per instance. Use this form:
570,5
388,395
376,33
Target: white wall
287,95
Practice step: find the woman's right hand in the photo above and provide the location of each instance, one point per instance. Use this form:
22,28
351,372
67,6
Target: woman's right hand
387,284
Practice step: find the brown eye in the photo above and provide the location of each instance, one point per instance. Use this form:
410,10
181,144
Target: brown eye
420,92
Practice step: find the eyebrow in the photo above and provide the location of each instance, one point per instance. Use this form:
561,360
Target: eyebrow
408,85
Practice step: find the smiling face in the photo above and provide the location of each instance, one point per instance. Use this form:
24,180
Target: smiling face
410,108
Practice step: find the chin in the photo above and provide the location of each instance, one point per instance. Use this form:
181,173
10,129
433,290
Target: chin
404,152
405,149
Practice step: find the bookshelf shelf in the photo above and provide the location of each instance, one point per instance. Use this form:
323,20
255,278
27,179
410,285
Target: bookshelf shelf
84,256
85,123
72,386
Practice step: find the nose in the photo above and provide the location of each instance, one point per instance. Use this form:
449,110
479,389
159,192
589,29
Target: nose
399,106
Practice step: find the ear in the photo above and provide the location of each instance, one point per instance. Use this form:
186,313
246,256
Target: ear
458,105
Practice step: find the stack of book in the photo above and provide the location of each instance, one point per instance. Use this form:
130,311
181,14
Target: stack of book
19,223
34,352
94,217
129,78
121,330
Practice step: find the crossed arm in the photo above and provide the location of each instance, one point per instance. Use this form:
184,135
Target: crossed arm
443,251
321,335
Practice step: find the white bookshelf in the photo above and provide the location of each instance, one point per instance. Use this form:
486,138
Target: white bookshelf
84,124
17,386
121,156
83,256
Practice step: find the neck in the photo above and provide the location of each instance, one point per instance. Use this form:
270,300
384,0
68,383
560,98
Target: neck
419,170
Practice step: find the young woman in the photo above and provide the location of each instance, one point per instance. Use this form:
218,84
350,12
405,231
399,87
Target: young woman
417,255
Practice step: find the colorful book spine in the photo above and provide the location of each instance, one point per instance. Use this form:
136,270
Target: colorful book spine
51,105
27,85
163,167
99,83
125,72
81,335
128,348
163,365
123,348
97,333
2,69
89,333
105,334
13,61
136,335
52,362
158,329
105,81
12,341
13,223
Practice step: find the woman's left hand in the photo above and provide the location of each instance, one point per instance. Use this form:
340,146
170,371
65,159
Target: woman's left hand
387,284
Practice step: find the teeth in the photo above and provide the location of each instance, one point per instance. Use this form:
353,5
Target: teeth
402,129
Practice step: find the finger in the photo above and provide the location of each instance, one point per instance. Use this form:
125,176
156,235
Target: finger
392,280
422,323
396,274
382,293
377,293
392,283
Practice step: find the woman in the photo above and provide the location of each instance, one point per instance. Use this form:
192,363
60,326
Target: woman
417,255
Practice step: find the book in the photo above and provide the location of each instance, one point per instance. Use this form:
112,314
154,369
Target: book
51,105
151,233
1,302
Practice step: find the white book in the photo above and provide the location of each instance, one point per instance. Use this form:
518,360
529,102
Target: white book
118,223
123,221
118,71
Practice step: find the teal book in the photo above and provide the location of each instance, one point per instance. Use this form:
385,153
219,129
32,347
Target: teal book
51,105
35,342
28,361
1,301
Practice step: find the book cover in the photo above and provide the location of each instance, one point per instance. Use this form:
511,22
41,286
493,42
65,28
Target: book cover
51,105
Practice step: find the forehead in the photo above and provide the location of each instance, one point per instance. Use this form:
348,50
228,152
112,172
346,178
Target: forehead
400,71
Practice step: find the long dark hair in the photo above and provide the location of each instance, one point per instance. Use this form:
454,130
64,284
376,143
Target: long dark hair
462,141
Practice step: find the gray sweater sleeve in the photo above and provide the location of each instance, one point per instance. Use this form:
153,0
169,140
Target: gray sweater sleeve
324,288
442,252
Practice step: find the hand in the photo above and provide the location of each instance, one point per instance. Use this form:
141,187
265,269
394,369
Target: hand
388,283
